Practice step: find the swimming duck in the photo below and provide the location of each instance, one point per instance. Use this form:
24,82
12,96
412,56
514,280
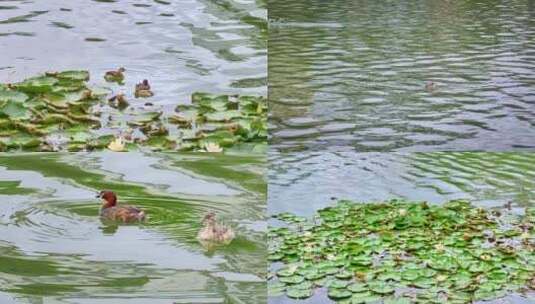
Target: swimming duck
143,89
116,76
123,213
118,101
430,86
214,232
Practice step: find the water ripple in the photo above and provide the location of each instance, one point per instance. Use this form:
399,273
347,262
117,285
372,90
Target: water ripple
356,74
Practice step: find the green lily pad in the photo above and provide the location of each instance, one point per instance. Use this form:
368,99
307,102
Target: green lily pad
296,293
15,96
294,279
337,293
14,110
357,287
381,287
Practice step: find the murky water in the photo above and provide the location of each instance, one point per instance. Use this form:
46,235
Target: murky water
354,74
180,46
55,249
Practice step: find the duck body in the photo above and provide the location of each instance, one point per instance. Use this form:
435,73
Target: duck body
213,232
122,213
143,89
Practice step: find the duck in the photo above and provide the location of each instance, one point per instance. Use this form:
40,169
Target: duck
143,89
116,76
214,232
430,86
118,101
122,213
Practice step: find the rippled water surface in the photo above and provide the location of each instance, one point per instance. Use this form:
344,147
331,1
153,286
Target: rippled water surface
55,249
354,74
305,182
180,46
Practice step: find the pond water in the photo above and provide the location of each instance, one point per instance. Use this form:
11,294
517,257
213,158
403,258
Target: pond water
55,249
304,182
181,47
354,74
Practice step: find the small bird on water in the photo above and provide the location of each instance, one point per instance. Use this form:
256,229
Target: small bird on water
430,86
122,213
215,232
115,76
143,89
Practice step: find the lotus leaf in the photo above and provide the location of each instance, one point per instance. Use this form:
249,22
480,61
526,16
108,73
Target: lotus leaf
297,293
10,95
337,293
293,279
357,287
381,287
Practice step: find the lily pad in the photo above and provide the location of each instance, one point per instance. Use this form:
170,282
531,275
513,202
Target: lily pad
296,293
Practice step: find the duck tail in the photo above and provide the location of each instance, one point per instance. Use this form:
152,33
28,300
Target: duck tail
141,215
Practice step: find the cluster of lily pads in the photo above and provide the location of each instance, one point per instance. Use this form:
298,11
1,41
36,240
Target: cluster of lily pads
403,252
61,111
212,121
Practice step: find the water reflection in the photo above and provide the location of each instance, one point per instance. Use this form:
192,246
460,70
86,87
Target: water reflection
354,74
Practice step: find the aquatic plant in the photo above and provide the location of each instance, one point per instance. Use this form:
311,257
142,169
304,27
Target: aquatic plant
403,252
61,111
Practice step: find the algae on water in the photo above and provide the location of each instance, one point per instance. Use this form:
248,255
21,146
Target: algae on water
404,252
61,111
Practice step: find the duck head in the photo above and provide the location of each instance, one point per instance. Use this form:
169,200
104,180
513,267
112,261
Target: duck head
109,199
122,70
209,219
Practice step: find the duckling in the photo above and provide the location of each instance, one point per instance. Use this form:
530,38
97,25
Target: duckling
214,232
508,205
123,213
119,101
115,76
430,86
143,89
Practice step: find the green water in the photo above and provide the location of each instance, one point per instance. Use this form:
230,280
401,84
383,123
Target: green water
55,249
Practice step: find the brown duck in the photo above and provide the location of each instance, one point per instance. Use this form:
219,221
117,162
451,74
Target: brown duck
122,213
143,89
215,232
116,76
